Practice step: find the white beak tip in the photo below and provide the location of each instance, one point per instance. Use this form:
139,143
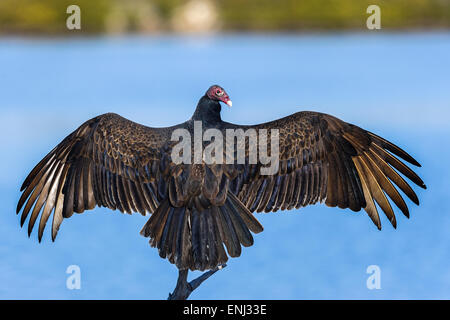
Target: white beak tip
229,103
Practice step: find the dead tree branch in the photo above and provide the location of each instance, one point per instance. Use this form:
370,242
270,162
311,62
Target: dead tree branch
184,288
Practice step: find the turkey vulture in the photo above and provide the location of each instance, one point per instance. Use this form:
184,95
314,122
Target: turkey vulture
202,212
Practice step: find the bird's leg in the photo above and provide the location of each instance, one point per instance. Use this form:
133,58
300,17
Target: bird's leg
185,288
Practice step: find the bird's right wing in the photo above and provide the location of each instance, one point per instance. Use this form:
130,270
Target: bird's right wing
108,161
322,158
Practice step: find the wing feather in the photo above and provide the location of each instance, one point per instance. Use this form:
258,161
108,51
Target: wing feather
102,163
326,159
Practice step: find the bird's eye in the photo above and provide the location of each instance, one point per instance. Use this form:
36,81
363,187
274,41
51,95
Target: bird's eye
219,93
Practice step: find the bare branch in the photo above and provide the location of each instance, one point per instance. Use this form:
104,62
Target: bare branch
184,288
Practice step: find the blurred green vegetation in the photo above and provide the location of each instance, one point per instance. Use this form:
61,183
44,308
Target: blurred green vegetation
49,16
99,16
333,14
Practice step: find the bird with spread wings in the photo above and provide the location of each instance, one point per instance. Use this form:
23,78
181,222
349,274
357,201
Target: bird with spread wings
203,213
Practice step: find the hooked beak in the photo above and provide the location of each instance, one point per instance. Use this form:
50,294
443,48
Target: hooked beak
226,99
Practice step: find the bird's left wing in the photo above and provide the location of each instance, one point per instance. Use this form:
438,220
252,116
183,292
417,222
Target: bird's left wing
324,159
108,161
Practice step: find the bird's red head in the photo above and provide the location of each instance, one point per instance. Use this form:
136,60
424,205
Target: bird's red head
217,93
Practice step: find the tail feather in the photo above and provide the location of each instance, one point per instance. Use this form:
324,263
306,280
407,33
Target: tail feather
229,235
167,237
213,243
240,228
183,251
245,214
194,239
218,232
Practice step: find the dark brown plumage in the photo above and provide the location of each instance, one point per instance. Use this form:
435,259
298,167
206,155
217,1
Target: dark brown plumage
200,212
